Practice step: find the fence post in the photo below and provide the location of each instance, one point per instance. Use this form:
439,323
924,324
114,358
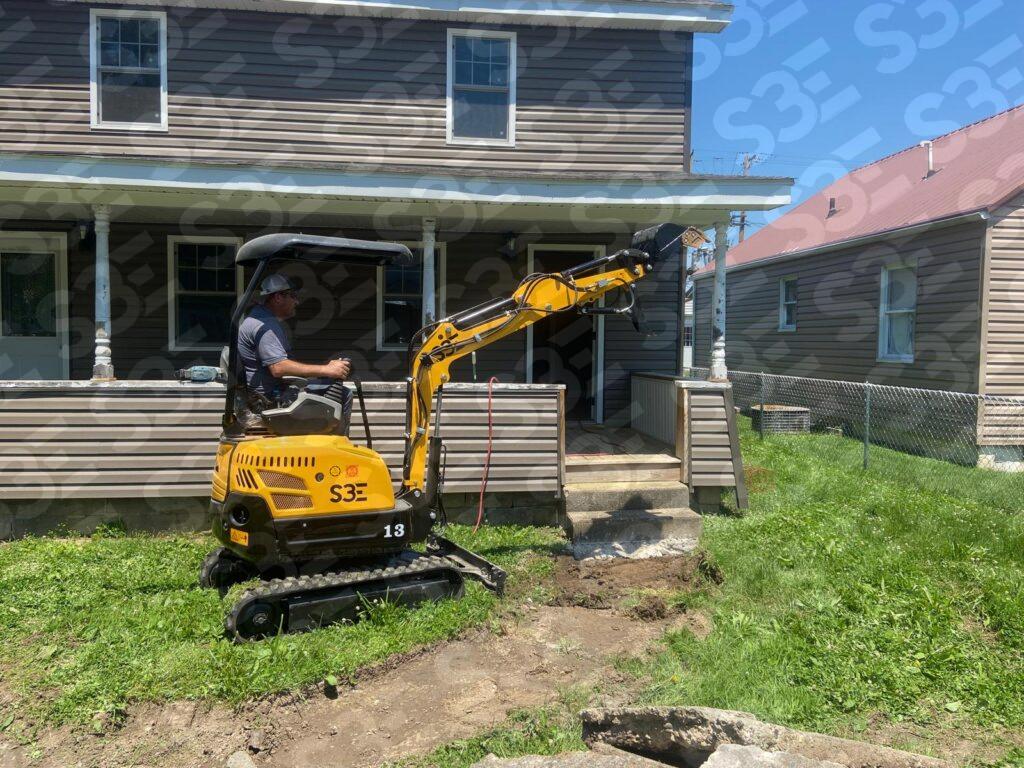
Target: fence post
867,422
760,421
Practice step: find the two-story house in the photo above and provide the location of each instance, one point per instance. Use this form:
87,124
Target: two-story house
142,142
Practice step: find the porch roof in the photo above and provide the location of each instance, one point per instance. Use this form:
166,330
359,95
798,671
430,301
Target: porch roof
159,191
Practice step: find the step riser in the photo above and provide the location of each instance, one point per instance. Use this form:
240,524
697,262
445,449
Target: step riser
626,498
605,475
655,527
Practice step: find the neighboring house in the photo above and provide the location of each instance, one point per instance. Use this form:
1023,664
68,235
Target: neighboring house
151,139
908,271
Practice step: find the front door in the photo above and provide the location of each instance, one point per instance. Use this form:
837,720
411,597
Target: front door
564,345
33,306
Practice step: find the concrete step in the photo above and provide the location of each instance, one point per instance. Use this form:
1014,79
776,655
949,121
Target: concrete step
622,468
634,525
612,496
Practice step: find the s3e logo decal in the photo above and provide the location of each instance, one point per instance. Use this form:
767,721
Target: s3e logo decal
348,492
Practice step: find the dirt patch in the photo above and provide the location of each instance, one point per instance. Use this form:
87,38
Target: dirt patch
759,479
612,583
407,706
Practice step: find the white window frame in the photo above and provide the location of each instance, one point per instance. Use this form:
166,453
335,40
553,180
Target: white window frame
884,312
95,14
441,260
451,138
172,293
783,282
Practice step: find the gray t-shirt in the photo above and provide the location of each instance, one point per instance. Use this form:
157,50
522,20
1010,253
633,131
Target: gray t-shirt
262,341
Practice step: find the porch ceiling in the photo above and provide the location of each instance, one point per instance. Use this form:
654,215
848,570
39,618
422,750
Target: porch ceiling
35,187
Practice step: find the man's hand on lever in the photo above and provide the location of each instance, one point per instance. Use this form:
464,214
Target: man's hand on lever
339,368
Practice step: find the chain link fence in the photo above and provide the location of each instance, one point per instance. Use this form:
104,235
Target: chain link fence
879,427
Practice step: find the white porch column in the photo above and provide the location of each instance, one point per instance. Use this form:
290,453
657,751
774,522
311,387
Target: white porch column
719,372
429,280
103,369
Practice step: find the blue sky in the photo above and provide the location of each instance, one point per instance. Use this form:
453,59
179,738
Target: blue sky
815,88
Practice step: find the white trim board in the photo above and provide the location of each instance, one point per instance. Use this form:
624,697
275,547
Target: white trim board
94,102
510,129
883,300
597,380
662,15
86,180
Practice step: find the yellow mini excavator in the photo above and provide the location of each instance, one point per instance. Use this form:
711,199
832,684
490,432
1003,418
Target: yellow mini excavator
299,506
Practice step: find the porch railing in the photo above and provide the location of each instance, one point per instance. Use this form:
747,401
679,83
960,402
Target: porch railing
153,440
697,418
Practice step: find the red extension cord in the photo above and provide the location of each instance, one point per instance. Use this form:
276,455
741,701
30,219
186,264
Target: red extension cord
487,460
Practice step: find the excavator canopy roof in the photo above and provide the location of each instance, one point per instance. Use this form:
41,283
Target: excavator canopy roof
316,248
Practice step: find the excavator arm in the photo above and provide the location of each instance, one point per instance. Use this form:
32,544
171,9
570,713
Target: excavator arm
536,297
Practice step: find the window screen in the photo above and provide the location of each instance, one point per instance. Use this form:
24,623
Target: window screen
899,308
128,73
402,303
481,87
205,293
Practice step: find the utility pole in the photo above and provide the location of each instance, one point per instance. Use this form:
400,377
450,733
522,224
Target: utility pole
747,162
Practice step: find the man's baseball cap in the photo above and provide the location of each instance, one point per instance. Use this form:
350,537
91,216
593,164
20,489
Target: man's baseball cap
275,284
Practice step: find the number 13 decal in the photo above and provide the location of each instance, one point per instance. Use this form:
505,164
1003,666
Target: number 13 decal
395,531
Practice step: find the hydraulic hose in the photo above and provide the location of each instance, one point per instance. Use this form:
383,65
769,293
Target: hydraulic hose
487,458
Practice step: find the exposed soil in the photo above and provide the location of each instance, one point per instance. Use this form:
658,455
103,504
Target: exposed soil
608,583
415,702
759,479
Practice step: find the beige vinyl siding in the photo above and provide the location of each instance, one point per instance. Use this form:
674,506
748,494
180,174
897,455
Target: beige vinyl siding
1003,365
838,295
710,459
142,441
279,89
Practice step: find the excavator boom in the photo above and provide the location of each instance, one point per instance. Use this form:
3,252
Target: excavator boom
536,297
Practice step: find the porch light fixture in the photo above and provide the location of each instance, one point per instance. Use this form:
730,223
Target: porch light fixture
508,250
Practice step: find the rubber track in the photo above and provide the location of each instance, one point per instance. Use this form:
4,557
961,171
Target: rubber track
278,590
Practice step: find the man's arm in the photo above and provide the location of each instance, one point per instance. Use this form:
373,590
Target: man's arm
335,369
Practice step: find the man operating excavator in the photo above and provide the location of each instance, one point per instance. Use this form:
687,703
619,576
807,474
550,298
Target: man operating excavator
265,350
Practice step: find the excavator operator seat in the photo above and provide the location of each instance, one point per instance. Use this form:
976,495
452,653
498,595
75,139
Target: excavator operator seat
326,411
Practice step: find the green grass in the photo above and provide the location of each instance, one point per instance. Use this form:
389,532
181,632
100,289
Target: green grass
89,625
850,595
549,730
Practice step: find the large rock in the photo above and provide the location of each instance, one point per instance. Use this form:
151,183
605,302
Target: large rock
690,735
603,756
735,756
240,760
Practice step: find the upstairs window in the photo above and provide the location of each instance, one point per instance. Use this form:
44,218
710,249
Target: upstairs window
481,87
897,314
204,285
128,55
787,304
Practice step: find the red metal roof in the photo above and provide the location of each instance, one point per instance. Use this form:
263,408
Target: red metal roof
976,168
